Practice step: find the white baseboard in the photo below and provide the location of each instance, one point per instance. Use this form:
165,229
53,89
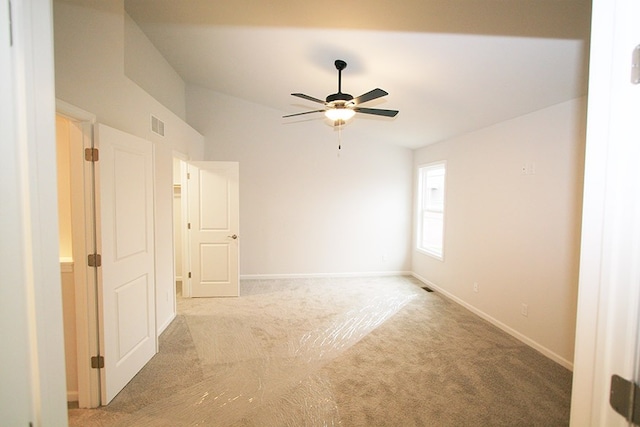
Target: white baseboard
528,341
72,396
166,324
66,265
323,275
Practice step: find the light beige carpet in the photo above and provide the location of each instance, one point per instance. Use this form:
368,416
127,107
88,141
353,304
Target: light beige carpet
337,352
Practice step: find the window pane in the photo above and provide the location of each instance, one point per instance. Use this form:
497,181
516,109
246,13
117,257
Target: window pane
435,189
432,231
431,218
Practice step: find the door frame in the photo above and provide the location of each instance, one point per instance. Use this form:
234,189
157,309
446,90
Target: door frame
184,247
84,242
609,284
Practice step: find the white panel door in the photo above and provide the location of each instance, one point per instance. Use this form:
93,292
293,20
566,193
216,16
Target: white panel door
214,221
125,221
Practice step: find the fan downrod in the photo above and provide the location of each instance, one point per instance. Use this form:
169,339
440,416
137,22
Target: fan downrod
341,97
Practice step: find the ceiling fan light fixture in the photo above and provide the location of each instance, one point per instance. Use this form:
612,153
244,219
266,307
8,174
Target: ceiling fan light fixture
340,106
336,114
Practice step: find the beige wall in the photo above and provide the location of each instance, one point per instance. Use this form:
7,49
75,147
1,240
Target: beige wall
64,189
515,234
305,207
66,256
70,334
141,62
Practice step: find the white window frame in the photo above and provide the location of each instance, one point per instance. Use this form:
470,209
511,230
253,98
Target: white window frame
439,208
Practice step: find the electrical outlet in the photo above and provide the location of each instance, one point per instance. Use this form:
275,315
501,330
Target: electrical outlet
524,310
475,286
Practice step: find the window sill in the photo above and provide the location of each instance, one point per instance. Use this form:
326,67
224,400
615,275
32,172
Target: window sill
432,254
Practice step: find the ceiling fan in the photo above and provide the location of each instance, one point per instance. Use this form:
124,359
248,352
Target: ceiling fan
340,107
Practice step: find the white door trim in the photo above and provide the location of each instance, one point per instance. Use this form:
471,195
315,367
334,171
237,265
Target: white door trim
85,281
36,294
607,321
17,367
184,215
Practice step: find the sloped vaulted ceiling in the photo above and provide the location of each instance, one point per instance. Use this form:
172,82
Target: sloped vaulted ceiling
450,66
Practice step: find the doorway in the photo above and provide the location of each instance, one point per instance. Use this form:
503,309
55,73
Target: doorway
77,239
179,226
206,228
65,226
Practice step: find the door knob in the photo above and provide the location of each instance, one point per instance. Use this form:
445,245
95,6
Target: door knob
234,237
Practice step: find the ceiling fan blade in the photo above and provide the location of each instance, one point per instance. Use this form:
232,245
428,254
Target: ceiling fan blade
307,97
377,111
306,112
369,96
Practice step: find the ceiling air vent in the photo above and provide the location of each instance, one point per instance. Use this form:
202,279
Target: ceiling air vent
157,125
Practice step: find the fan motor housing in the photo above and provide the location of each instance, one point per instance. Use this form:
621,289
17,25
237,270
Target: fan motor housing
339,97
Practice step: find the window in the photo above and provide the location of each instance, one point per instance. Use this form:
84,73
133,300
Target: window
431,208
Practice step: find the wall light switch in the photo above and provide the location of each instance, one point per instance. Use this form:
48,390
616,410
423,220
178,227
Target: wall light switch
531,168
528,168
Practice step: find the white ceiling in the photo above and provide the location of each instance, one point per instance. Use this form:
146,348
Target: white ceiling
450,66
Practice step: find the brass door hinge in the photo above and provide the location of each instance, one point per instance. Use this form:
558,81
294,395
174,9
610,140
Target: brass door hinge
94,260
635,65
91,154
624,398
189,275
97,362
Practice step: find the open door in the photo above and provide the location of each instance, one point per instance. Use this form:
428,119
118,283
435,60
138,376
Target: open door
213,217
125,230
